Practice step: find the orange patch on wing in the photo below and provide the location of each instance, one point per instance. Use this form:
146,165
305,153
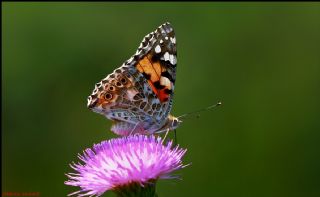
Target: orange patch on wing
153,72
151,68
101,100
139,67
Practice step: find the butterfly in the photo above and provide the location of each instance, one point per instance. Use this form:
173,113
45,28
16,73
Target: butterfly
138,96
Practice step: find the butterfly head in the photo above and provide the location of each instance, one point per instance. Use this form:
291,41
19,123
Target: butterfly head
175,122
172,123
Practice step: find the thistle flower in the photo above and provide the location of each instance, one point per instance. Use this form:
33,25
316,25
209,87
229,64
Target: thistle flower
129,166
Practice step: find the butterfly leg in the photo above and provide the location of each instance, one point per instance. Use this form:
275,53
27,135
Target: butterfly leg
175,137
165,136
135,126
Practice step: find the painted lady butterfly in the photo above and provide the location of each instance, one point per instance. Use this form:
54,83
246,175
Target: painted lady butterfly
137,96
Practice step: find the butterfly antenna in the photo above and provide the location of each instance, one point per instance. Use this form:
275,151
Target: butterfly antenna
197,112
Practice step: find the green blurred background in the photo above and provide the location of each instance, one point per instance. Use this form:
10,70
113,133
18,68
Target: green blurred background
262,60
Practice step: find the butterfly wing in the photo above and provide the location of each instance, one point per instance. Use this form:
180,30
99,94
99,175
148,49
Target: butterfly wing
138,95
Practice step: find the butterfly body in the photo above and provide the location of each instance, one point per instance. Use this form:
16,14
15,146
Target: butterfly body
138,96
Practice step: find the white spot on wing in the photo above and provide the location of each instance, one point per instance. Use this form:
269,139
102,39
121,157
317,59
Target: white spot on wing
170,58
138,52
165,82
173,40
157,49
173,59
130,60
98,85
166,56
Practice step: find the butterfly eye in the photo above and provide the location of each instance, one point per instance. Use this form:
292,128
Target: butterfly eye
108,96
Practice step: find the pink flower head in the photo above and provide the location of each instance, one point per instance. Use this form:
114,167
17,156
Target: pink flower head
136,159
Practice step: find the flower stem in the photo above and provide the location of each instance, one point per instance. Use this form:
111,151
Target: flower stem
136,190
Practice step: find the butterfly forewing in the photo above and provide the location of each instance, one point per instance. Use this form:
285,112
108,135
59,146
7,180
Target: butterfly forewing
138,95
